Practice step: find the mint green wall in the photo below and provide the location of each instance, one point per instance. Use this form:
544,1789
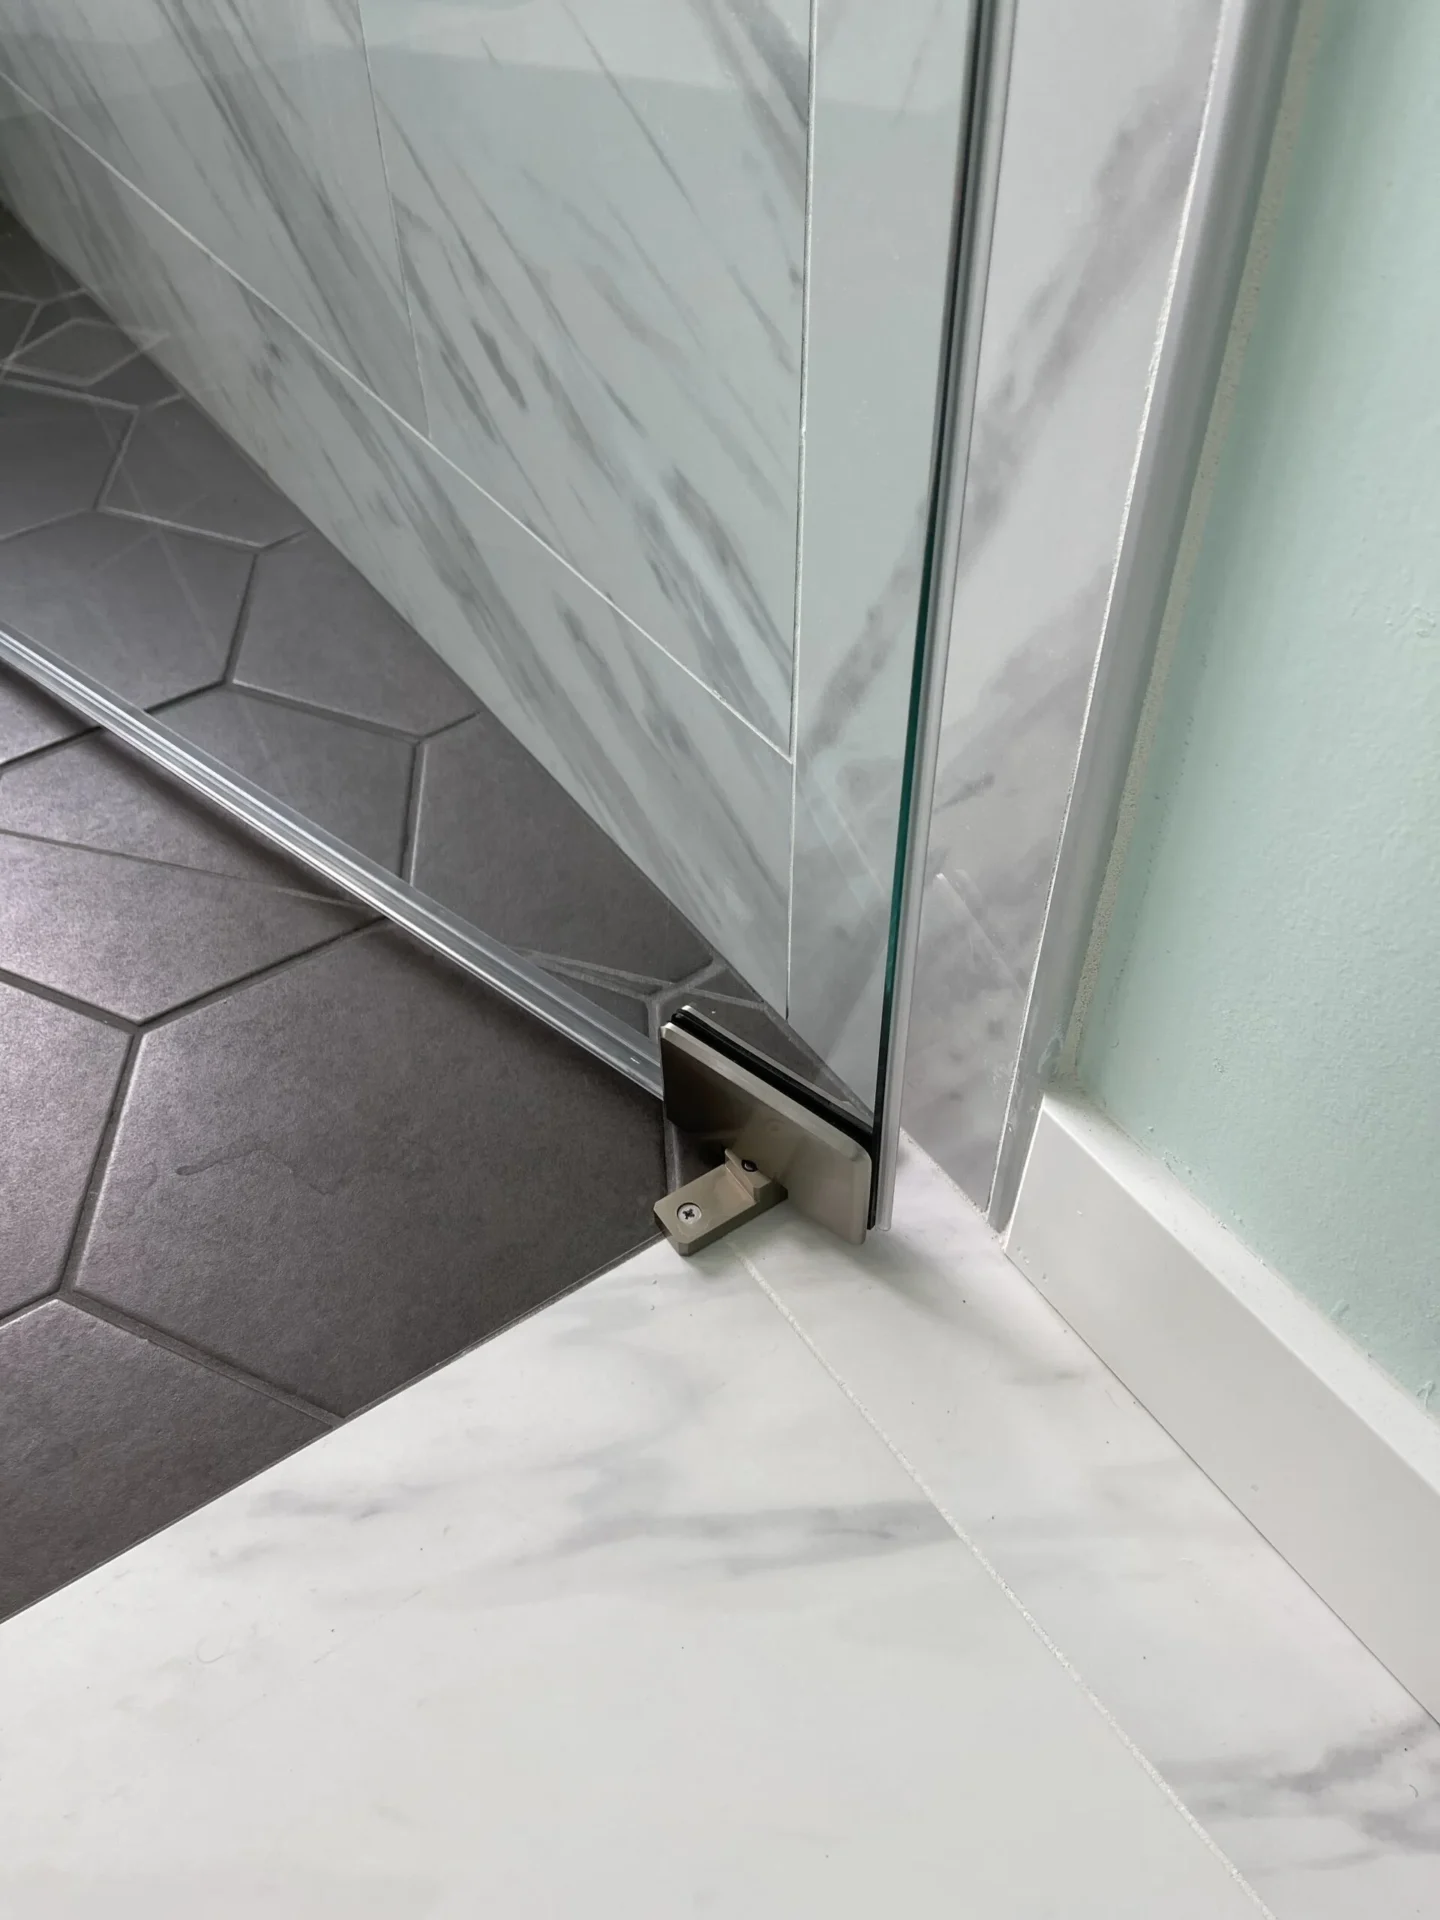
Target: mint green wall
1267,1004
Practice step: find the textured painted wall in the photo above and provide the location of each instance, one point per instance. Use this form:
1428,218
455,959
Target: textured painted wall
1268,997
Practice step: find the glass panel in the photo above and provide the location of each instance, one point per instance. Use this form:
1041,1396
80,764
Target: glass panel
503,435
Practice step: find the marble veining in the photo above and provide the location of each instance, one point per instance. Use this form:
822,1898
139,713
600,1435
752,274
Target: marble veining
664,767
1086,226
602,215
254,127
628,1610
1313,1769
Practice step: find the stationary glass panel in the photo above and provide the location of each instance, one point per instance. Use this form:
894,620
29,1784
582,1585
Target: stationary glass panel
502,442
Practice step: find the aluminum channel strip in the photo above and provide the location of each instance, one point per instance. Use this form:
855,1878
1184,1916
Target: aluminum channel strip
513,977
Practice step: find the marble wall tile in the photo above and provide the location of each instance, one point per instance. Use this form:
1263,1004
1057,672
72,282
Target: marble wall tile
663,766
1103,117
253,126
889,111
1308,1763
626,1612
602,217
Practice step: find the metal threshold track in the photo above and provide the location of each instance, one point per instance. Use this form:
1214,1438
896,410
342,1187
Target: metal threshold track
517,979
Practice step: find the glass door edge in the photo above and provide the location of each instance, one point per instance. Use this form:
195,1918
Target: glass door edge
977,178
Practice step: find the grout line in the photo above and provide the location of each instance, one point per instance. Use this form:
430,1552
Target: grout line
751,1266
453,726
213,995
175,866
286,539
90,1197
294,704
112,471
411,826
26,333
22,983
86,729
22,380
179,526
43,526
242,621
405,425
172,700
132,1323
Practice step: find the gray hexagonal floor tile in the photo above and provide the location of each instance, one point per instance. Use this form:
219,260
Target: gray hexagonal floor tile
77,353
499,841
107,1437
16,317
60,1073
349,779
137,938
95,793
317,631
25,267
332,1180
55,451
179,468
148,612
29,719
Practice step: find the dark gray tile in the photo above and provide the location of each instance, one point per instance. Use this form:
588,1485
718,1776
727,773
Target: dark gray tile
147,612
180,468
139,383
27,270
55,451
106,1437
95,793
58,1072
317,631
76,353
15,321
356,1168
29,719
73,343
137,939
502,843
348,779
57,312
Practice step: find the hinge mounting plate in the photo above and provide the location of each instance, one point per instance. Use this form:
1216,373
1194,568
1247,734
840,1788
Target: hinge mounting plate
773,1141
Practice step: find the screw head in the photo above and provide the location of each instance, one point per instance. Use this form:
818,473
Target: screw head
748,1166
689,1213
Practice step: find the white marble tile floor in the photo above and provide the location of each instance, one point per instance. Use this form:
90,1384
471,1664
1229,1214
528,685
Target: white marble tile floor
628,1611
634,1609
1307,1762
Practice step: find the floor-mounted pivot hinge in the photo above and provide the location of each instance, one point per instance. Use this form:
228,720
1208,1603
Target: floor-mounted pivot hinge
776,1138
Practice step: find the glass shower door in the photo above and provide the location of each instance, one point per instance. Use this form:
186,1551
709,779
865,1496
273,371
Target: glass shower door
503,456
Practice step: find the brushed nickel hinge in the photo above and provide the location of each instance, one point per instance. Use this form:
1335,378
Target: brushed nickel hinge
774,1139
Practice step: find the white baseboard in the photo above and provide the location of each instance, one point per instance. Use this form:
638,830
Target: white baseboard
1331,1461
